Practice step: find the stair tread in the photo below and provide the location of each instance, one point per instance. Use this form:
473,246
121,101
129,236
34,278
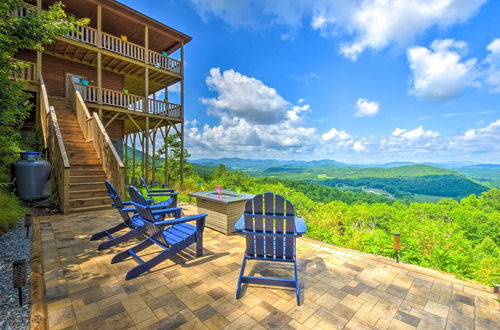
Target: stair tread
92,190
89,198
87,176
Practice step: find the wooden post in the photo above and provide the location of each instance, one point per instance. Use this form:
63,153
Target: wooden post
165,137
99,57
146,156
133,154
145,108
153,165
181,168
38,53
142,149
38,74
125,146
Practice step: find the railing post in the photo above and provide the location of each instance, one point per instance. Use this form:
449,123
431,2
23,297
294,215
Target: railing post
99,55
146,70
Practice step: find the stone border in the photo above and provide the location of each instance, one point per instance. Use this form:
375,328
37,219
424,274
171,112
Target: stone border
38,308
410,267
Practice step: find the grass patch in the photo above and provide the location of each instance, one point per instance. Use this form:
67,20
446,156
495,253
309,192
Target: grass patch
11,210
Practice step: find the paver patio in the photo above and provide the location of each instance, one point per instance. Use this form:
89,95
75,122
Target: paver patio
341,288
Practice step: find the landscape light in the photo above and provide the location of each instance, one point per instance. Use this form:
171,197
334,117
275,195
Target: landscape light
19,277
396,244
28,220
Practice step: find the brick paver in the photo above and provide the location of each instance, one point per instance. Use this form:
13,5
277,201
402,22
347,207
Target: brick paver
341,288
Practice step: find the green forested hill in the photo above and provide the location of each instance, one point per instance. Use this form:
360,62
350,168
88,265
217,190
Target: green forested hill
325,194
447,185
313,172
487,176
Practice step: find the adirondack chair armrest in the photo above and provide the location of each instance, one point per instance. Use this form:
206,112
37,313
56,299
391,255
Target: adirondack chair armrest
196,217
162,205
300,226
165,211
171,194
240,224
127,203
161,190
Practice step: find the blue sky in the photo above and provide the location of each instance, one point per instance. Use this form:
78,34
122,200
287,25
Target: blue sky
355,81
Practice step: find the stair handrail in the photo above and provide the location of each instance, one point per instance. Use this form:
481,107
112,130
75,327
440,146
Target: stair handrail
94,130
56,152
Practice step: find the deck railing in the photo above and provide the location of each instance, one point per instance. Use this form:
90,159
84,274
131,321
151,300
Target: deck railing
84,34
94,130
56,152
128,101
27,73
122,100
119,46
21,12
164,62
164,108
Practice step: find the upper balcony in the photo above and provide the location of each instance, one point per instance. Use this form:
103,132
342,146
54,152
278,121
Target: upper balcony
128,42
118,99
89,36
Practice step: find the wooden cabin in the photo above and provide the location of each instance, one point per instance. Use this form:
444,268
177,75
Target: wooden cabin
102,89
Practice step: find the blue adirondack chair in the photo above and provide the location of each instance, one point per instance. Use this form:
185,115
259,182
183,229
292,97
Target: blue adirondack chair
271,228
172,236
156,192
130,217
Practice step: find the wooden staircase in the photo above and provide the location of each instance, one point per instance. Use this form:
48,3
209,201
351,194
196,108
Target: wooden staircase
87,191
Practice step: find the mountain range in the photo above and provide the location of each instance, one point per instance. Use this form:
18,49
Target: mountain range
236,162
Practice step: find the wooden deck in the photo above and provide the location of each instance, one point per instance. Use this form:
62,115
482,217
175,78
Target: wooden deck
341,288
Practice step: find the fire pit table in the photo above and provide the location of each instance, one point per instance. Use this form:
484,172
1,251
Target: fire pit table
223,210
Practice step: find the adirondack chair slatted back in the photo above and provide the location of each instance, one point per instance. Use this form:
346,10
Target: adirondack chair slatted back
145,213
145,185
270,214
117,202
113,194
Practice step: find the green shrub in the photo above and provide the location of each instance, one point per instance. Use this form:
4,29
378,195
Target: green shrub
10,210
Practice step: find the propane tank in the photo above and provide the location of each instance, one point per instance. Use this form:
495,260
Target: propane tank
32,176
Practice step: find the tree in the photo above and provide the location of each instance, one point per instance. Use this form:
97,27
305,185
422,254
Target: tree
31,32
174,156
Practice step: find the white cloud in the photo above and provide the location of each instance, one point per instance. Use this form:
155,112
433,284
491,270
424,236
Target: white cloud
358,146
439,73
491,132
362,24
366,108
252,118
405,141
245,97
378,24
336,135
398,131
493,63
238,135
419,133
